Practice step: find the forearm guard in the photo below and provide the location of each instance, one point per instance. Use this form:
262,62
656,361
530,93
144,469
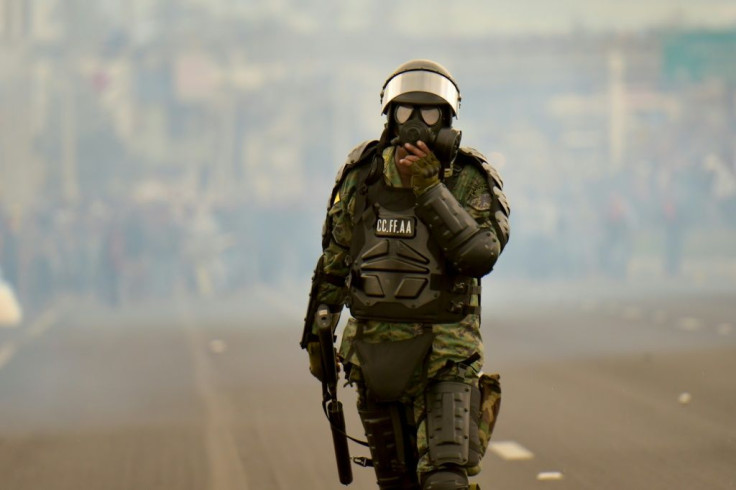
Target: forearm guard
471,249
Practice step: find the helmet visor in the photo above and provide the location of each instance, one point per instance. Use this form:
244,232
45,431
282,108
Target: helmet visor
421,81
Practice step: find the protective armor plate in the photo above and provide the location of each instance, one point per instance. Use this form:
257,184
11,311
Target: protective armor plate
391,444
446,480
502,200
398,270
448,422
476,449
389,270
388,366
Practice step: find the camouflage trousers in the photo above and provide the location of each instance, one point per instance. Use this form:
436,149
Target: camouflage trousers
456,355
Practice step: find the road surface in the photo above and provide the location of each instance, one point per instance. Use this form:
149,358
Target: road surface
604,387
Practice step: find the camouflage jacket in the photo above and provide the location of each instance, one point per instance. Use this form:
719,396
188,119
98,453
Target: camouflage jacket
478,188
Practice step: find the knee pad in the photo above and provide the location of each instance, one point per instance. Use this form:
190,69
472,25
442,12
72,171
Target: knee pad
475,445
453,412
392,444
446,480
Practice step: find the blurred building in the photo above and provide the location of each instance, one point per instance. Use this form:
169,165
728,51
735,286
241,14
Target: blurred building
234,115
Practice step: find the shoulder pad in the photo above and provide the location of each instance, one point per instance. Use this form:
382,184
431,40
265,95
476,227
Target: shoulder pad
500,205
354,157
472,152
477,158
357,156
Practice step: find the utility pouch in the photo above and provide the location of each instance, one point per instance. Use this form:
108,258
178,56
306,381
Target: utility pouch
490,404
388,366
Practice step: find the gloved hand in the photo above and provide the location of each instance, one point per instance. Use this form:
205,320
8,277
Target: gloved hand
315,360
425,169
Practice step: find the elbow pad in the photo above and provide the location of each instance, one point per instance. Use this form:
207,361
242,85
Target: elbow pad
469,248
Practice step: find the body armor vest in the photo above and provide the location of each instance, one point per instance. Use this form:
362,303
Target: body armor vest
398,273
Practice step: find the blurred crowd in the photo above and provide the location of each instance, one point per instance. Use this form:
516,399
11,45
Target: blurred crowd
118,252
157,153
141,250
655,216
670,202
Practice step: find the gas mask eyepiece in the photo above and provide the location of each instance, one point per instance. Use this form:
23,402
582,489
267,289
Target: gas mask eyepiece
424,123
429,114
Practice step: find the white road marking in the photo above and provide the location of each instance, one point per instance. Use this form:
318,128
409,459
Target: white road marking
510,450
226,468
690,324
43,323
217,346
549,476
684,398
7,351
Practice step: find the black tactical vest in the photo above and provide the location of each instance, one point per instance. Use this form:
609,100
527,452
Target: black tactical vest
398,272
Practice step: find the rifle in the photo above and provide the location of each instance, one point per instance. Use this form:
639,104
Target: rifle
330,404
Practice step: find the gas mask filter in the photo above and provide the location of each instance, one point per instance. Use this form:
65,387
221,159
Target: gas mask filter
424,123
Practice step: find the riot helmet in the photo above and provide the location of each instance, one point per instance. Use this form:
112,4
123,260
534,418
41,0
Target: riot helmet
421,98
421,82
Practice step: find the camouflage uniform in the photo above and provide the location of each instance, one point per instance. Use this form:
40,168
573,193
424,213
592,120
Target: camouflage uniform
408,263
457,349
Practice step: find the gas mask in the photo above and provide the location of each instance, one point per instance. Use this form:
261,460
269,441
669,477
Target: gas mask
425,123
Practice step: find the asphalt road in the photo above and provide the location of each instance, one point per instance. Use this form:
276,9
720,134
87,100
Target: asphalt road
605,387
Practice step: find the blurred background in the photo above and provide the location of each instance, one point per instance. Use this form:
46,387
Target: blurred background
152,147
164,171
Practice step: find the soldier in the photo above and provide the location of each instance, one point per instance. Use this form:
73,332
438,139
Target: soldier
413,223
